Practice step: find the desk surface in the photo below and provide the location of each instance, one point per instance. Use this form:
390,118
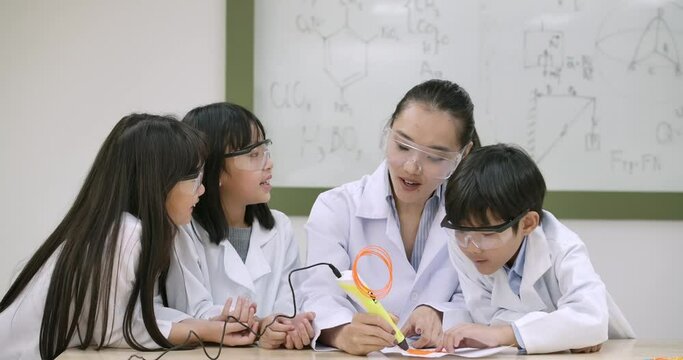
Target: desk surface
613,349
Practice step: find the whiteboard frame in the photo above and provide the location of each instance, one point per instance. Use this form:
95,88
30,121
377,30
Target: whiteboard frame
297,201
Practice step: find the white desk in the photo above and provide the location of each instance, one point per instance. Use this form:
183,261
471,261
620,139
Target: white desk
613,349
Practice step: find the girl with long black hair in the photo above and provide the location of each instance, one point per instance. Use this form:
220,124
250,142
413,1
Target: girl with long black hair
93,282
235,256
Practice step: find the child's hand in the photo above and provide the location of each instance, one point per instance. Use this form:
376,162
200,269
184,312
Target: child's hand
302,333
477,336
243,312
236,334
231,334
275,334
424,321
588,349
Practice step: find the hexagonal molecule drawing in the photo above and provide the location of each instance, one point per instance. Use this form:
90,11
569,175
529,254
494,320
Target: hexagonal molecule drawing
345,57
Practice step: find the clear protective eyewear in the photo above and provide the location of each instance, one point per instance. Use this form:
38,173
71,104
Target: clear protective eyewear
196,180
434,163
482,237
253,157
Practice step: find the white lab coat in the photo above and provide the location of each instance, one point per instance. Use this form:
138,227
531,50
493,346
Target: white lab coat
202,275
20,323
350,217
563,303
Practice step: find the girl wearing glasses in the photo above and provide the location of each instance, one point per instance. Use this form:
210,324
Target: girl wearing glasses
235,256
526,278
93,281
398,207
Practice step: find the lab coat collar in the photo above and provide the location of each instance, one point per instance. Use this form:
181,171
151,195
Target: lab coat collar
536,263
372,203
256,264
437,241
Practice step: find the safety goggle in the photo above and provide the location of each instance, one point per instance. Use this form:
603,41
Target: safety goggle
482,237
253,157
433,163
196,180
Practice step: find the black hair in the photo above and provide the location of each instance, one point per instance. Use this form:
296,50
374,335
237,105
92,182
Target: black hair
138,164
501,178
230,126
443,95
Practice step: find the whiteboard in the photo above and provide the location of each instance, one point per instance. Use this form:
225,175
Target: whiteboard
593,90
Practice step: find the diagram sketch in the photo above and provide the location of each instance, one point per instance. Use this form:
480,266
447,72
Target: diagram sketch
593,90
643,46
341,67
554,117
654,50
598,85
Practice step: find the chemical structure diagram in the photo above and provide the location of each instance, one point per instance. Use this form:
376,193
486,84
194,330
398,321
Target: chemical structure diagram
345,51
348,30
345,57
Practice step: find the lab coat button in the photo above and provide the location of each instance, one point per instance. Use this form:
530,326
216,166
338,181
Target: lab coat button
413,295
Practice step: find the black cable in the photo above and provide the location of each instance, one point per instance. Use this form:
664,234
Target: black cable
289,280
183,346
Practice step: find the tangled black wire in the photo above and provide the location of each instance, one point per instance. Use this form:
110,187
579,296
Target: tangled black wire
184,344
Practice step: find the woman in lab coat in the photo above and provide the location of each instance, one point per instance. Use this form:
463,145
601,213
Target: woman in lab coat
93,281
398,207
237,252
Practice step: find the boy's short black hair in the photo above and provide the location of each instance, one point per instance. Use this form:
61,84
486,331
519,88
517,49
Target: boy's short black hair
501,178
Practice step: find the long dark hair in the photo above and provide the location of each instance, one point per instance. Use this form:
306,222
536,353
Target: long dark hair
446,96
230,126
141,160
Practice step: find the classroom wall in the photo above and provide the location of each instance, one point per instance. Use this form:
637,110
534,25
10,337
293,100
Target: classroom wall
71,69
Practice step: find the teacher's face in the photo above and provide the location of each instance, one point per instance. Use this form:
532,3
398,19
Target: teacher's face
412,172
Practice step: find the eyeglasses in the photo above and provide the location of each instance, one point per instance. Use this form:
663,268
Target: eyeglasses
434,163
482,237
196,180
253,157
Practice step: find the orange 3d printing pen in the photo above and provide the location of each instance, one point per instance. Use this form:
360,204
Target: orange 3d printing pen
368,298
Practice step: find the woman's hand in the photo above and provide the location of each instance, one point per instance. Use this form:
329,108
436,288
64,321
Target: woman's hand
364,334
424,321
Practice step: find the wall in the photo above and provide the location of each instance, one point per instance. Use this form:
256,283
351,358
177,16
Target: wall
638,261
71,69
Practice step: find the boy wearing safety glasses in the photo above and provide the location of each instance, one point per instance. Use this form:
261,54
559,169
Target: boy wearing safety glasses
526,278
